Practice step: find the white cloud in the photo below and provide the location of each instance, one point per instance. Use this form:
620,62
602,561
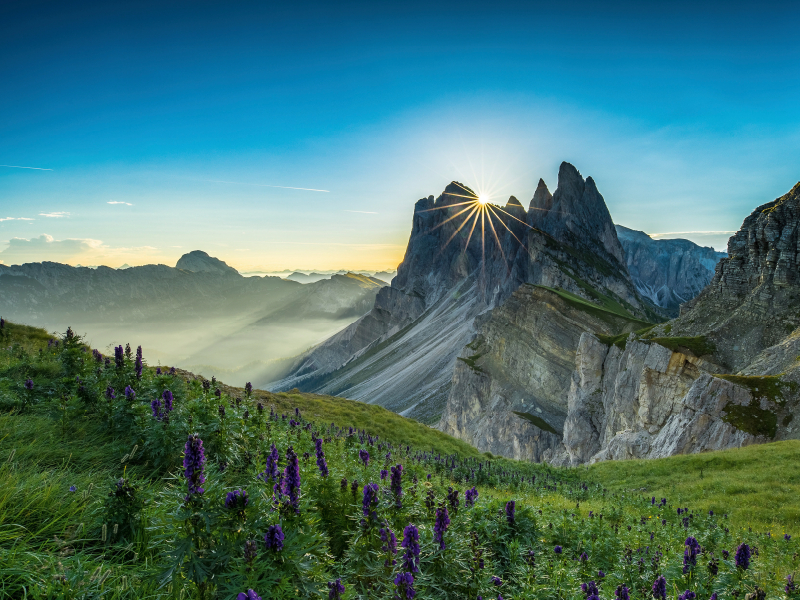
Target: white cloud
54,215
119,202
15,219
85,251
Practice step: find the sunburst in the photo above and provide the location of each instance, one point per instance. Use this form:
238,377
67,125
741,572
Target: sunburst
477,209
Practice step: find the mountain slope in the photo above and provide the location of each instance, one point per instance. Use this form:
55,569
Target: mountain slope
402,353
204,315
667,272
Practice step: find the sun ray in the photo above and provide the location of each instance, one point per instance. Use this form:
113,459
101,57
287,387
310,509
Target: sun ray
446,206
513,217
508,228
464,222
463,210
499,245
469,237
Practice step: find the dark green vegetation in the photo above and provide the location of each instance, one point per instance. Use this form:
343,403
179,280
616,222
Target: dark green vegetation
538,421
768,387
607,308
95,502
698,345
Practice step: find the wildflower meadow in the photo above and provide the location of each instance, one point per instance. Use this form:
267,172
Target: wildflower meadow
123,480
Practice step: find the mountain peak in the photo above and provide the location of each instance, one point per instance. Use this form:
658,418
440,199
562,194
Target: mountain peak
542,198
199,261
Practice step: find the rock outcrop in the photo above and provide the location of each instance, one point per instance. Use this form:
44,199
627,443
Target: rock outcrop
667,272
753,301
510,383
644,400
463,260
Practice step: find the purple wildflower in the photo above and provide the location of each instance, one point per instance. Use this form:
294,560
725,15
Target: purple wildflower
590,590
389,544
690,554
470,496
72,488
274,537
511,511
791,587
248,388
323,466
29,384
384,474
583,557
110,393
249,595
497,581
440,526
452,499
396,485
369,504
250,551
271,469
130,395
660,588
335,590
411,544
236,500
194,460
172,371
405,586
158,370
743,556
558,549
364,456
167,396
622,592
687,595
787,537
155,405
119,357
291,479
139,362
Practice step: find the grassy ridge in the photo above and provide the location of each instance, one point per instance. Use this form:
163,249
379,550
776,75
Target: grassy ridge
758,486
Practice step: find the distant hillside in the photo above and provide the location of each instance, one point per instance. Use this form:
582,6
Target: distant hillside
667,272
201,312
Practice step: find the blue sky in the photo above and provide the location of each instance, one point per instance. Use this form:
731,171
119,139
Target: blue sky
686,115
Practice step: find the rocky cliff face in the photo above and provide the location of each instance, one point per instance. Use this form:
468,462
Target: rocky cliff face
667,272
644,400
753,301
456,267
659,392
510,383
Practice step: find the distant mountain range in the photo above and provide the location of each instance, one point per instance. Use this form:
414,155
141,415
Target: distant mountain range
201,312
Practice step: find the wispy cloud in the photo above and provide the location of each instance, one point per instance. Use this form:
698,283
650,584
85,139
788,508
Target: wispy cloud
119,202
55,215
283,187
18,167
15,219
363,212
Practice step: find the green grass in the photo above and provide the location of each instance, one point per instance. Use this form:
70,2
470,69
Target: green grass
377,420
698,345
758,486
607,309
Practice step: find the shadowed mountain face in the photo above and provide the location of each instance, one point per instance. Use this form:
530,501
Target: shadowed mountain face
402,353
202,314
667,272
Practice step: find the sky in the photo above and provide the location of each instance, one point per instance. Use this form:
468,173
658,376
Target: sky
299,135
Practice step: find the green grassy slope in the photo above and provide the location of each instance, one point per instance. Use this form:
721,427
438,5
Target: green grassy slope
53,543
758,486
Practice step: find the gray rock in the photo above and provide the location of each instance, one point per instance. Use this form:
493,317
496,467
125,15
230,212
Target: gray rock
198,261
667,272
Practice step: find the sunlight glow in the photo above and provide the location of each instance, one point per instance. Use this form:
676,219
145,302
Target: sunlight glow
483,199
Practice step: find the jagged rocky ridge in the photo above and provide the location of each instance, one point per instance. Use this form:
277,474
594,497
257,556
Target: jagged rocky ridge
401,355
667,272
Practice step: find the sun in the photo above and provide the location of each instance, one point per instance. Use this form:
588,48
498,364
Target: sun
483,199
